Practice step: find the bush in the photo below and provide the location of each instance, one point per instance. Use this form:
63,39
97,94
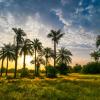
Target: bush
12,70
77,68
51,72
24,72
63,69
3,70
91,68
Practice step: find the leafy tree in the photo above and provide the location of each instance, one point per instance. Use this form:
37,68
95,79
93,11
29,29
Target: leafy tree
26,49
19,34
55,36
77,68
37,46
91,68
64,56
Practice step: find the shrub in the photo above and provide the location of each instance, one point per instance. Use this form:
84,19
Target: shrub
12,70
63,69
3,70
91,68
51,72
24,72
77,68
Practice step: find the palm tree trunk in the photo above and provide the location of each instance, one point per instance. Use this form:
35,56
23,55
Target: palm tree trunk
35,62
54,53
24,65
16,57
2,66
7,67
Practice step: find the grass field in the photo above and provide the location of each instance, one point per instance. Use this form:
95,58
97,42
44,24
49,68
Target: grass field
71,87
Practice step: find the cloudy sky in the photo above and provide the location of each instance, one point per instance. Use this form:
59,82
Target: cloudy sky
79,19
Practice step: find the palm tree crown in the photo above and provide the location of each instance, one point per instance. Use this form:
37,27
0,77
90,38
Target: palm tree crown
63,56
95,55
19,35
26,49
55,36
8,53
47,52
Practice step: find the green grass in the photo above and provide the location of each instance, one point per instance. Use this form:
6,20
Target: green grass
71,87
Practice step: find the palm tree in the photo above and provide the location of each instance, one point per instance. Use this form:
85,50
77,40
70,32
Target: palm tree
39,61
47,52
26,49
95,55
19,40
1,54
55,36
98,41
37,45
64,56
8,54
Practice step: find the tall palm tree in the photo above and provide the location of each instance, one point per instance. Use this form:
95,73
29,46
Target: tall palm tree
98,41
64,56
19,34
37,46
8,54
55,36
26,49
95,55
1,54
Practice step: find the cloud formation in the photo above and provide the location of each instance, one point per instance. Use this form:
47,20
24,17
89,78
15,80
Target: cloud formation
79,19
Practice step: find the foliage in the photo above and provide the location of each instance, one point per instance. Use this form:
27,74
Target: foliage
47,52
51,71
55,36
37,46
63,69
77,68
98,41
95,55
3,70
92,68
26,49
18,39
11,70
64,56
24,72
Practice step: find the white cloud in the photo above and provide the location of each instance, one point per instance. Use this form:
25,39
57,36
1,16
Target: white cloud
73,39
64,2
33,27
76,39
59,13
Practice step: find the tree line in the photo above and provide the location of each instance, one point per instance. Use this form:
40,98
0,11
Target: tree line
24,46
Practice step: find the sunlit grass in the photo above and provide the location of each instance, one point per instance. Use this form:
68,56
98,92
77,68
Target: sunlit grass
71,87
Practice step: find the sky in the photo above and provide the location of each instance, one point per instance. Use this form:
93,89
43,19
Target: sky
78,19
